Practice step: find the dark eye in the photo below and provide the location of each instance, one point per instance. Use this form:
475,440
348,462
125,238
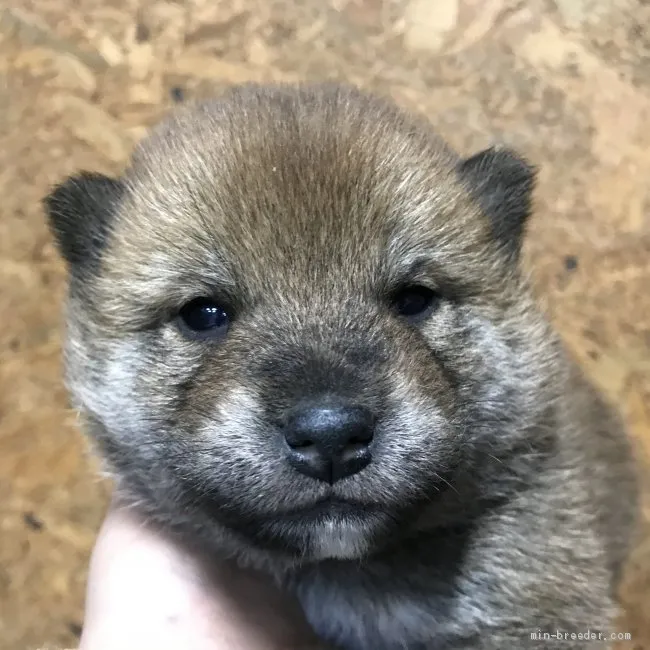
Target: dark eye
203,318
415,303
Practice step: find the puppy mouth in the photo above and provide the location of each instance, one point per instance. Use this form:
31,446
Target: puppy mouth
330,508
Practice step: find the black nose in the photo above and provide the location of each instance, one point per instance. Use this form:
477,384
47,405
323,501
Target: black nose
330,440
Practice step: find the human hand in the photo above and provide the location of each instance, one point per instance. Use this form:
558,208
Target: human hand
145,591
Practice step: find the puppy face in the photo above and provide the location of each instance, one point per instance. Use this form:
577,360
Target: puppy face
296,324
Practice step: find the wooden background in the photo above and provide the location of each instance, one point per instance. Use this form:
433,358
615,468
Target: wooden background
567,82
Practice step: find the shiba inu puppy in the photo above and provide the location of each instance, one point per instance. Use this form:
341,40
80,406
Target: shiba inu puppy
299,334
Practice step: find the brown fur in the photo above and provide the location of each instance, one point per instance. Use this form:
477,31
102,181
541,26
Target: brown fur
500,497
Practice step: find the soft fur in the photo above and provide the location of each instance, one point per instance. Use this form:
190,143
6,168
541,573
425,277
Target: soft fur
500,499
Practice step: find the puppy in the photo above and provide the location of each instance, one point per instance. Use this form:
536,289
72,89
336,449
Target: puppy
300,336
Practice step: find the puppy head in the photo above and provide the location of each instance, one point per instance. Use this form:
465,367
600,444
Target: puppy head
297,321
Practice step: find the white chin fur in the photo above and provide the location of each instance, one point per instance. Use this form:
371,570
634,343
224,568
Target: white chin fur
335,539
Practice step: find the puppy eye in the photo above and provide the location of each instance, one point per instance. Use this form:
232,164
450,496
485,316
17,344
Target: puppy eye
415,302
203,318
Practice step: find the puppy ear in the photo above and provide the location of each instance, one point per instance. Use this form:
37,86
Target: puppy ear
80,211
502,182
